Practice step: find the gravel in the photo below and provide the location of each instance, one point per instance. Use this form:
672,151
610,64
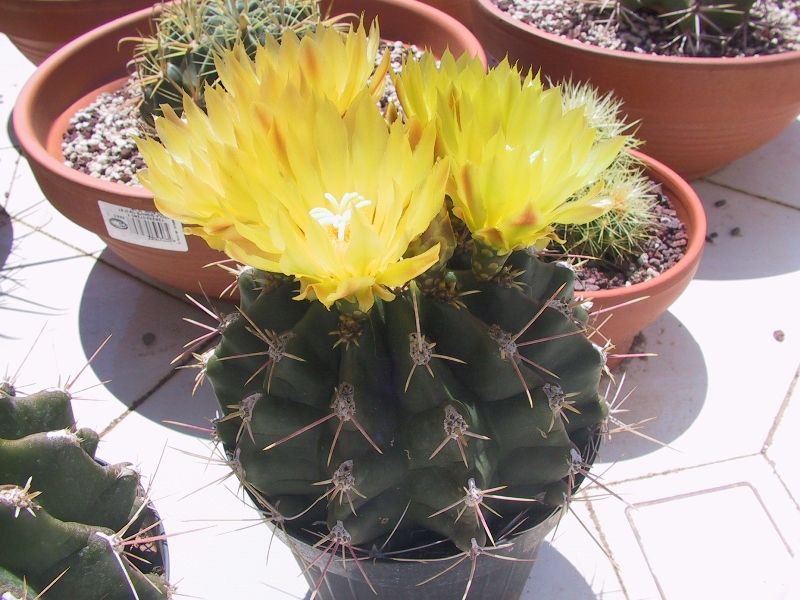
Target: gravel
659,253
99,139
774,27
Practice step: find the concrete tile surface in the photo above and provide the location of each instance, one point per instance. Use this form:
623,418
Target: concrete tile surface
770,171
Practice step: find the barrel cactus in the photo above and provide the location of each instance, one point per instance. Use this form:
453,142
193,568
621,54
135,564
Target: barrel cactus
71,525
618,236
402,368
178,58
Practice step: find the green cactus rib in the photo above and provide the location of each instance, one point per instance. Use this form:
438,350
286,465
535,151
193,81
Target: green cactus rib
713,17
413,414
74,486
47,410
66,512
14,588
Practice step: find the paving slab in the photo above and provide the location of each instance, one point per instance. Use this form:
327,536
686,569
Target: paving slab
28,204
227,552
726,353
726,530
783,444
15,70
770,171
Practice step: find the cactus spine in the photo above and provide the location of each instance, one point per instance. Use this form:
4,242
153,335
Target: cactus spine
412,410
618,235
700,17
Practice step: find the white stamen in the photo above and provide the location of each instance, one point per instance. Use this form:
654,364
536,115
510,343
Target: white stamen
340,217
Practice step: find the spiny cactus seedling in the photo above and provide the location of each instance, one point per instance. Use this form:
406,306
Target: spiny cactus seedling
618,235
383,385
178,58
71,526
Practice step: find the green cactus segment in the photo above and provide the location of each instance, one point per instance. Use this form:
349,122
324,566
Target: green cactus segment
178,58
408,415
60,510
44,411
14,588
90,493
44,547
716,17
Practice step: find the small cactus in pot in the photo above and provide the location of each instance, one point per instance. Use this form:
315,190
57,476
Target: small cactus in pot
73,527
619,235
403,370
178,57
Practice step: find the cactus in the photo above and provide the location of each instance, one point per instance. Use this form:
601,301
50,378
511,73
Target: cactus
402,368
74,522
178,58
698,17
617,236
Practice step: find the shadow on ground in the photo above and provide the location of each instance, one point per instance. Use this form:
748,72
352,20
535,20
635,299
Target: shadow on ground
148,331
748,238
669,388
554,578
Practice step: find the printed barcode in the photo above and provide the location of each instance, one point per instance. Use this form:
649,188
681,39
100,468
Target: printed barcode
143,227
151,230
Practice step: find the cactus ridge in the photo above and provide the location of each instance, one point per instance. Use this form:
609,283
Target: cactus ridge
447,413
66,512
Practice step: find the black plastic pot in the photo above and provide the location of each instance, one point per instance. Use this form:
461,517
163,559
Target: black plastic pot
494,578
155,556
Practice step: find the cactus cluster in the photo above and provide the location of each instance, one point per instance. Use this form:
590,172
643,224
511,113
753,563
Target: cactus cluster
70,525
402,370
178,58
617,236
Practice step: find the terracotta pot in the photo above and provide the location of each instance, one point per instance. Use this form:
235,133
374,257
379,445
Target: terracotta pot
74,76
649,299
696,114
460,10
39,28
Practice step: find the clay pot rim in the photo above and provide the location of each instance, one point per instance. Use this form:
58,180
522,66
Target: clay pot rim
36,151
696,215
33,147
680,62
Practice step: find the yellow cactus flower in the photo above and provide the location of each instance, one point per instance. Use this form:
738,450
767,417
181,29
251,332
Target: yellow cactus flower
205,159
355,192
332,64
517,156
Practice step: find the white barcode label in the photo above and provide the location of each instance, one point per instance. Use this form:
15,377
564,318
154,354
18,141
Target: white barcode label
143,227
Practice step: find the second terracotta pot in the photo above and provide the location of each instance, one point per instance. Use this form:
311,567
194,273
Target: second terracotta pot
628,310
74,76
696,114
41,27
